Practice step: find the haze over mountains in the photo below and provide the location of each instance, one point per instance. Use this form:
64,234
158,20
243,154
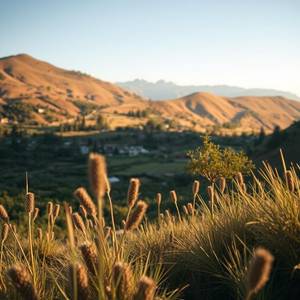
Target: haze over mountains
162,89
38,92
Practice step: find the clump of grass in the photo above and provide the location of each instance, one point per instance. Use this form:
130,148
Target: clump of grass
21,279
206,249
211,252
259,271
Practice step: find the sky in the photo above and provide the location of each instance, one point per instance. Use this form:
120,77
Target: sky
235,42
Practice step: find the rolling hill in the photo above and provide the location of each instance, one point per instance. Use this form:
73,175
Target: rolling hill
57,93
37,92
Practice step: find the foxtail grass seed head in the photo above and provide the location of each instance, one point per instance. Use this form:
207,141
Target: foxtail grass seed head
222,184
107,184
89,254
78,222
185,210
133,191
173,196
190,208
210,192
123,280
158,199
21,279
259,270
3,214
35,213
40,234
290,181
82,195
29,202
145,289
239,178
82,281
4,232
97,174
196,187
50,208
136,216
56,211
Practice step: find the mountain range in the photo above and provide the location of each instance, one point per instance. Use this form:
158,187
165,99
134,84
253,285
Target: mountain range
162,89
37,92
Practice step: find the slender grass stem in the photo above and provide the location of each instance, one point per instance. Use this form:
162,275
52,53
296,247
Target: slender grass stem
30,229
21,249
178,212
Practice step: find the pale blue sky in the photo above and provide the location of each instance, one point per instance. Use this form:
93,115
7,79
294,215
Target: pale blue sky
246,43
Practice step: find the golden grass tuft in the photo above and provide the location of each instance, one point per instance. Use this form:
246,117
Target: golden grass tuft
145,289
82,195
3,214
196,187
259,270
173,196
35,214
82,281
89,254
136,216
290,181
97,175
29,203
56,211
4,232
222,185
50,208
133,191
78,222
22,281
122,281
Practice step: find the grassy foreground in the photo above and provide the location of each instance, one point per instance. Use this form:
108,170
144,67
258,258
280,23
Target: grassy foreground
221,247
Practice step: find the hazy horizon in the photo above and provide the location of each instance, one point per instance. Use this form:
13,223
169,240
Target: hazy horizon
247,44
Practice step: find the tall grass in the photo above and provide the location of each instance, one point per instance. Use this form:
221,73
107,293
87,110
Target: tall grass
90,261
221,246
210,249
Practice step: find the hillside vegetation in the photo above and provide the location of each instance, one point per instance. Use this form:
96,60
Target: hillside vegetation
38,93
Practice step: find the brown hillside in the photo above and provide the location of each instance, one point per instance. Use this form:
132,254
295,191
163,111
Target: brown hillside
242,113
58,91
53,95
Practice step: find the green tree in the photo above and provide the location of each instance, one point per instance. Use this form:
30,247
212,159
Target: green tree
213,162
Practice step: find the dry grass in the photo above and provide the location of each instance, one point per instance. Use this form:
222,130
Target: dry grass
210,250
208,253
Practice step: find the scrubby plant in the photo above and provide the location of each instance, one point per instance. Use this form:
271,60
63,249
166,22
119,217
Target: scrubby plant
213,162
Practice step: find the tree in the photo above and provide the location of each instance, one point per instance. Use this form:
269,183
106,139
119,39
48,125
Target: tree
276,138
213,162
101,122
261,136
